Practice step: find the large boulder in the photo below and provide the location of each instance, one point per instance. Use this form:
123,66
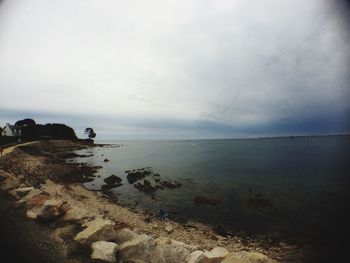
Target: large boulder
49,210
139,249
247,257
104,251
124,235
216,255
170,251
96,230
19,193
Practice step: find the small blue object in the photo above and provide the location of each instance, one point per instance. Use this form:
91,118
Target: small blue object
161,214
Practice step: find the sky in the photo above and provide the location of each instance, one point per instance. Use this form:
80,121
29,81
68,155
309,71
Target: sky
177,69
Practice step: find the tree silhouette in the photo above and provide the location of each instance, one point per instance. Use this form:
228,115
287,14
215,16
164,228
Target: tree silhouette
90,133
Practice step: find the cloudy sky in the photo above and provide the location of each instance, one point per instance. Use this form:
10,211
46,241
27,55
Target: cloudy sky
171,69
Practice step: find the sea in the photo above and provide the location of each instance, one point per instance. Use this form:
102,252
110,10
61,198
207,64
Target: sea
294,188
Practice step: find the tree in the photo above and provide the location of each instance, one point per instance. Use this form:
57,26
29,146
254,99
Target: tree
27,122
90,133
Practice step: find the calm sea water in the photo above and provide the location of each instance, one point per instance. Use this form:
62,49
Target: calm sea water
303,181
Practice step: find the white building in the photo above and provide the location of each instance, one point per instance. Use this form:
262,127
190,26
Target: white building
11,130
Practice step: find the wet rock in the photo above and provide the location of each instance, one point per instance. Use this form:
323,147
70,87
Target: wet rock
170,184
19,193
96,230
104,251
106,160
216,255
156,174
135,176
51,209
247,257
139,249
146,187
113,179
124,235
203,200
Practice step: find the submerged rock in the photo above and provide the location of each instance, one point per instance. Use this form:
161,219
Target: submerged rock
170,184
137,175
104,251
203,200
96,230
106,160
145,187
113,179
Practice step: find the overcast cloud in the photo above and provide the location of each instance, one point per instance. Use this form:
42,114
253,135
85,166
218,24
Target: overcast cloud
177,69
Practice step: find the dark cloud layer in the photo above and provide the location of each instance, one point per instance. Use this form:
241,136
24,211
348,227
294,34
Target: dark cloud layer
178,69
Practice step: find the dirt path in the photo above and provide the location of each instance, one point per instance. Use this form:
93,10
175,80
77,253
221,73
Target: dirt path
11,148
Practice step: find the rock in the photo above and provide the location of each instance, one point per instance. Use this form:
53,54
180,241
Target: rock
247,257
216,255
30,195
203,200
145,187
107,187
170,251
10,182
124,235
106,160
195,256
135,176
138,249
169,241
49,210
168,228
19,193
96,230
104,251
170,184
113,179
75,214
37,200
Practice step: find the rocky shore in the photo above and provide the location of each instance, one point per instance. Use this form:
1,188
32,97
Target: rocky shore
88,226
